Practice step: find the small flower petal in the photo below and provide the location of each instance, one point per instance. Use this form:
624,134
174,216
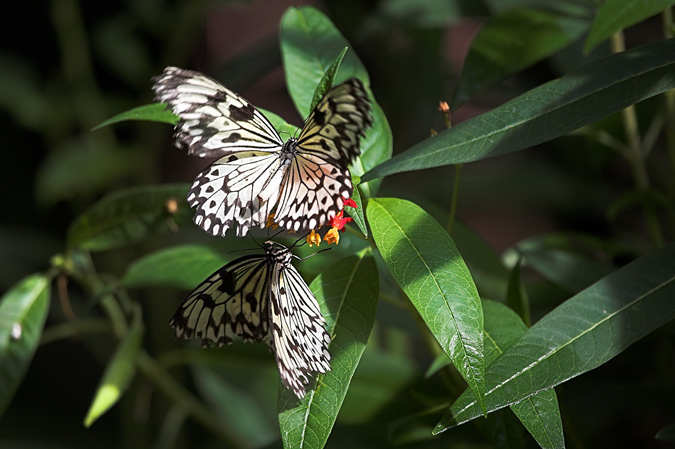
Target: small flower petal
313,239
332,236
350,202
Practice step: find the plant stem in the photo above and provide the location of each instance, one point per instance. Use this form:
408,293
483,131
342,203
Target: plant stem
636,154
455,195
669,96
174,390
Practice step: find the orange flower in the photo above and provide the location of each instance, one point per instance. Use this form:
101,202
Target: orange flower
332,236
313,239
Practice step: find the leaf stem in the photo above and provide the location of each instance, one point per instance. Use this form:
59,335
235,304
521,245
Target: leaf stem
455,195
669,96
636,154
174,390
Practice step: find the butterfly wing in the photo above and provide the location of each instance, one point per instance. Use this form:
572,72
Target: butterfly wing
241,186
214,121
232,301
318,179
300,339
244,184
334,128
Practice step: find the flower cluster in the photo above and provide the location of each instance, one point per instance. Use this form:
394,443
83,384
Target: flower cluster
337,224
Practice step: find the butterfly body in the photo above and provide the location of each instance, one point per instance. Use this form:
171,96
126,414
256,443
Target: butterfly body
302,181
260,298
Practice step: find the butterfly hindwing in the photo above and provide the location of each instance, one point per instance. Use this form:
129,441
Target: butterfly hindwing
242,186
232,301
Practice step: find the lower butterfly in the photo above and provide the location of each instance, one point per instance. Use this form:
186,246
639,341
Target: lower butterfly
261,297
302,181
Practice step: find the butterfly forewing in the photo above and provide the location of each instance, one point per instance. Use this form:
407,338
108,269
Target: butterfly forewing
232,301
214,121
334,128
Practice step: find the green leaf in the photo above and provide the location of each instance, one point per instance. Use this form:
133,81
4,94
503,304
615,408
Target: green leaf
23,310
546,112
155,112
424,261
347,293
130,215
357,212
310,44
181,267
281,125
421,13
666,434
571,271
539,413
510,42
581,334
84,167
328,79
119,372
615,15
376,148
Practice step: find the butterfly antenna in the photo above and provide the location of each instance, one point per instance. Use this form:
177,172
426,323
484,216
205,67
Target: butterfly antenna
313,254
303,239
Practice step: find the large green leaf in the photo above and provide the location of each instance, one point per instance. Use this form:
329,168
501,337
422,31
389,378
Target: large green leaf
539,413
119,372
424,261
182,267
615,15
581,334
130,215
310,44
546,112
23,310
511,42
347,293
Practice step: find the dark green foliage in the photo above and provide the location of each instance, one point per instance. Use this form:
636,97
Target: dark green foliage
541,316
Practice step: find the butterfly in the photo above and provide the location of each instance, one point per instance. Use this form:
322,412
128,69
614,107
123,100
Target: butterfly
301,181
260,297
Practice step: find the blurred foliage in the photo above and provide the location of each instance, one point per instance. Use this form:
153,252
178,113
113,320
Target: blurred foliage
572,236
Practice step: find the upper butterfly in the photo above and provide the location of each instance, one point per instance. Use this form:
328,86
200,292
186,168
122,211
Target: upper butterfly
302,181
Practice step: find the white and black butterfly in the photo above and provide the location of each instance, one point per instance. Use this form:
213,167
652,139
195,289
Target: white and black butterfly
261,297
302,181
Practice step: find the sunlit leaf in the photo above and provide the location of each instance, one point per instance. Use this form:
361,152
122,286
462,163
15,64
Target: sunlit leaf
554,109
581,334
119,372
347,293
23,310
424,261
